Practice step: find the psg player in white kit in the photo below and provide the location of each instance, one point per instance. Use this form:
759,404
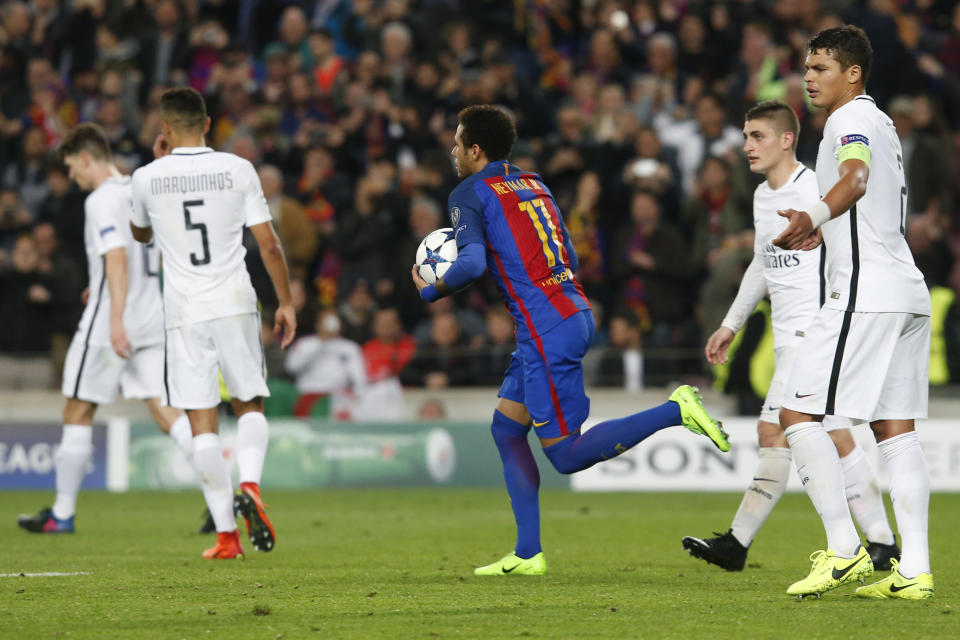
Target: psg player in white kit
867,353
796,285
196,202
119,342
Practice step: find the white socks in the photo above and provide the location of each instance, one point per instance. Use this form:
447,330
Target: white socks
910,493
252,440
769,483
215,479
181,434
864,497
73,460
818,466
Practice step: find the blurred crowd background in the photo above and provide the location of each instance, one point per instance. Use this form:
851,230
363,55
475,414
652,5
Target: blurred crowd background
631,110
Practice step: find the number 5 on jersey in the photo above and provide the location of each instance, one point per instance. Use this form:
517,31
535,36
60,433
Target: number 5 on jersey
197,226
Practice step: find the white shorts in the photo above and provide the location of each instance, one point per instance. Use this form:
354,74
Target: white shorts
94,373
196,351
869,366
784,359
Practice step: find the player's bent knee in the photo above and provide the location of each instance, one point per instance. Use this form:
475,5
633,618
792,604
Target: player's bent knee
770,435
77,411
558,455
241,407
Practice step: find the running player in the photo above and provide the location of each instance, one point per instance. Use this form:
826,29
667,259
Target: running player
866,354
119,341
796,289
197,202
507,220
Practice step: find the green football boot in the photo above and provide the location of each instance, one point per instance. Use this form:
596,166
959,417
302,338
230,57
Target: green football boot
896,586
513,565
829,572
695,417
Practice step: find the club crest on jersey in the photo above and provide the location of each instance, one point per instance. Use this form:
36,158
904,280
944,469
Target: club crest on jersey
455,217
855,137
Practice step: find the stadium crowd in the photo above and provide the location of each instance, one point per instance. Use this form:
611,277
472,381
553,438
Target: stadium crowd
631,111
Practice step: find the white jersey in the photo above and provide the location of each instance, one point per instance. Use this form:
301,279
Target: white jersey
198,201
794,279
106,226
868,264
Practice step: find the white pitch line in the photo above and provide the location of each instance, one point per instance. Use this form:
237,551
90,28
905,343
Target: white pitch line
44,574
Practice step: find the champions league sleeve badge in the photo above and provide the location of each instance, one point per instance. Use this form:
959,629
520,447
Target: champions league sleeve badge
455,217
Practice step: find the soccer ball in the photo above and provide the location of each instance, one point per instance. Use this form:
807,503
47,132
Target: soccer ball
435,254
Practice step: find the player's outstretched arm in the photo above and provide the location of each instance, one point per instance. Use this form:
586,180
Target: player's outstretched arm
116,267
851,186
753,287
271,252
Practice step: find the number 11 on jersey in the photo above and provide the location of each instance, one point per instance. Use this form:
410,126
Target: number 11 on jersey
530,208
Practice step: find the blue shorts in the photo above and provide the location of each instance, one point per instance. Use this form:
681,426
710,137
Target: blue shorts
546,376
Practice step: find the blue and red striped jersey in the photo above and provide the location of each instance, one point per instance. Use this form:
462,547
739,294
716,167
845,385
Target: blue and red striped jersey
529,253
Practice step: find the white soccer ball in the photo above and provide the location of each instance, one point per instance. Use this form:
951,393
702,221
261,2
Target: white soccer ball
436,253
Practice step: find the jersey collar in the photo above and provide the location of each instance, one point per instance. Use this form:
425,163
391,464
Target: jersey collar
191,151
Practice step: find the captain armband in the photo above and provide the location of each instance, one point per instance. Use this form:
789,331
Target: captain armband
854,151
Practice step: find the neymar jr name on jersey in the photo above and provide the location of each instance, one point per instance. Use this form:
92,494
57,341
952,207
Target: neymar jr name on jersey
519,184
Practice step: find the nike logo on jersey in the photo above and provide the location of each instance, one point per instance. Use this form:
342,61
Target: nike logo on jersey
806,395
540,424
772,408
839,572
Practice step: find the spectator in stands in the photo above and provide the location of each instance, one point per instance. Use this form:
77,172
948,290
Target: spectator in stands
329,69
491,359
165,49
63,208
26,297
621,363
15,218
651,262
708,133
357,311
713,211
931,186
296,233
386,354
470,323
443,361
67,284
28,175
325,365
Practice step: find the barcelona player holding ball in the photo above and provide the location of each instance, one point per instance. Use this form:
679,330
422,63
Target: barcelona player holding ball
506,220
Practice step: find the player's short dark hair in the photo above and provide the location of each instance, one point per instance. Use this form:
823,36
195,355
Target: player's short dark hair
183,108
780,116
489,127
88,137
849,45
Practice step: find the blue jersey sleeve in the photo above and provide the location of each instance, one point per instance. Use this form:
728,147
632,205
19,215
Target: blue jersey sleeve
470,264
466,216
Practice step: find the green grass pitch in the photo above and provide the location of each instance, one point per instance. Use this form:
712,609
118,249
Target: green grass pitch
399,564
